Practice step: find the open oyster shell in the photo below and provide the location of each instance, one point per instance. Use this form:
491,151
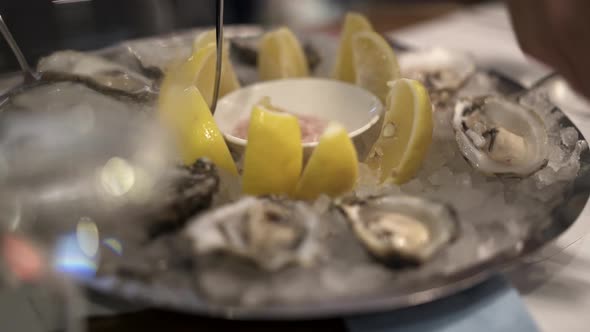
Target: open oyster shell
443,72
402,229
270,233
95,71
501,137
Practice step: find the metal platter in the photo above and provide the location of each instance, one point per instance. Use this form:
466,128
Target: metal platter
168,294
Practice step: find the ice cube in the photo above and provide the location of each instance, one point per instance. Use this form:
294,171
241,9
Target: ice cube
367,175
391,189
413,187
434,161
463,199
494,205
571,167
442,176
556,156
568,171
545,177
442,125
537,100
569,136
477,179
322,204
549,193
463,180
552,120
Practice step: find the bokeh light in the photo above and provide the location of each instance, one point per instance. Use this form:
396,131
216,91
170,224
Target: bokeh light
70,259
115,245
117,177
88,236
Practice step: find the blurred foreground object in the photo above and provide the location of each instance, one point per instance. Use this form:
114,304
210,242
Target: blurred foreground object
557,33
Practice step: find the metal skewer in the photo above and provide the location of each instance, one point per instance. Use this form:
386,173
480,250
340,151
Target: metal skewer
219,37
22,61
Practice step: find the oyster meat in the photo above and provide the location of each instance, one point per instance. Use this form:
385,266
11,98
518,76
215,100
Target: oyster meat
442,72
402,230
497,136
268,232
95,71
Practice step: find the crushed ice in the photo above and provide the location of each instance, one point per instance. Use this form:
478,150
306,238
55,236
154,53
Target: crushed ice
496,214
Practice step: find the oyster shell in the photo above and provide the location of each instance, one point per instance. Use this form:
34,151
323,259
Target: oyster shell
245,50
152,56
402,229
190,191
95,71
68,95
443,72
270,233
497,136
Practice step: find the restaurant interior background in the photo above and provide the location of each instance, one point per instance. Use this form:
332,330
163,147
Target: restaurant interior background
41,27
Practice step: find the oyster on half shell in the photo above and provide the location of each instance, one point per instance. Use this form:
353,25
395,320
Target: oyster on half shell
497,136
402,229
95,71
268,232
443,72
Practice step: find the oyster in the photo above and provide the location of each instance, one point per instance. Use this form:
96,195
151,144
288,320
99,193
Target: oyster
152,56
402,229
500,137
95,71
190,191
442,72
66,96
270,233
245,50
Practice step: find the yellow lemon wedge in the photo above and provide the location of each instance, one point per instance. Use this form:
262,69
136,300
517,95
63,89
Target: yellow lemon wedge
204,39
406,134
199,70
274,153
280,55
332,168
375,63
185,112
344,68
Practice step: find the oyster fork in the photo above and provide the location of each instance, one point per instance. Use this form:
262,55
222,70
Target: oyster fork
29,74
219,38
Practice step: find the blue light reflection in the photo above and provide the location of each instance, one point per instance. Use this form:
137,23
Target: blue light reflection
71,259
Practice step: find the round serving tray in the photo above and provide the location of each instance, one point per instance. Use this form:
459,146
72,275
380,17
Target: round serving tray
435,287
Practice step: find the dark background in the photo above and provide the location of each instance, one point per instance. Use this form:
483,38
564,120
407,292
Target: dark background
43,26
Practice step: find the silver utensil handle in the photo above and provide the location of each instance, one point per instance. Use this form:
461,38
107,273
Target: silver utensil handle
218,67
22,61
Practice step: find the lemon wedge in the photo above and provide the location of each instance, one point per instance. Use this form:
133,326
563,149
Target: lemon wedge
204,39
375,63
199,70
280,55
332,168
406,134
185,112
344,68
274,153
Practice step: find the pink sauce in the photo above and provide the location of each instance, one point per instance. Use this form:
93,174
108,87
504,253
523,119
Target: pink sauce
311,126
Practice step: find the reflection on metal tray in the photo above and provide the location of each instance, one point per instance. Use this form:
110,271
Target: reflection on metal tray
131,276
